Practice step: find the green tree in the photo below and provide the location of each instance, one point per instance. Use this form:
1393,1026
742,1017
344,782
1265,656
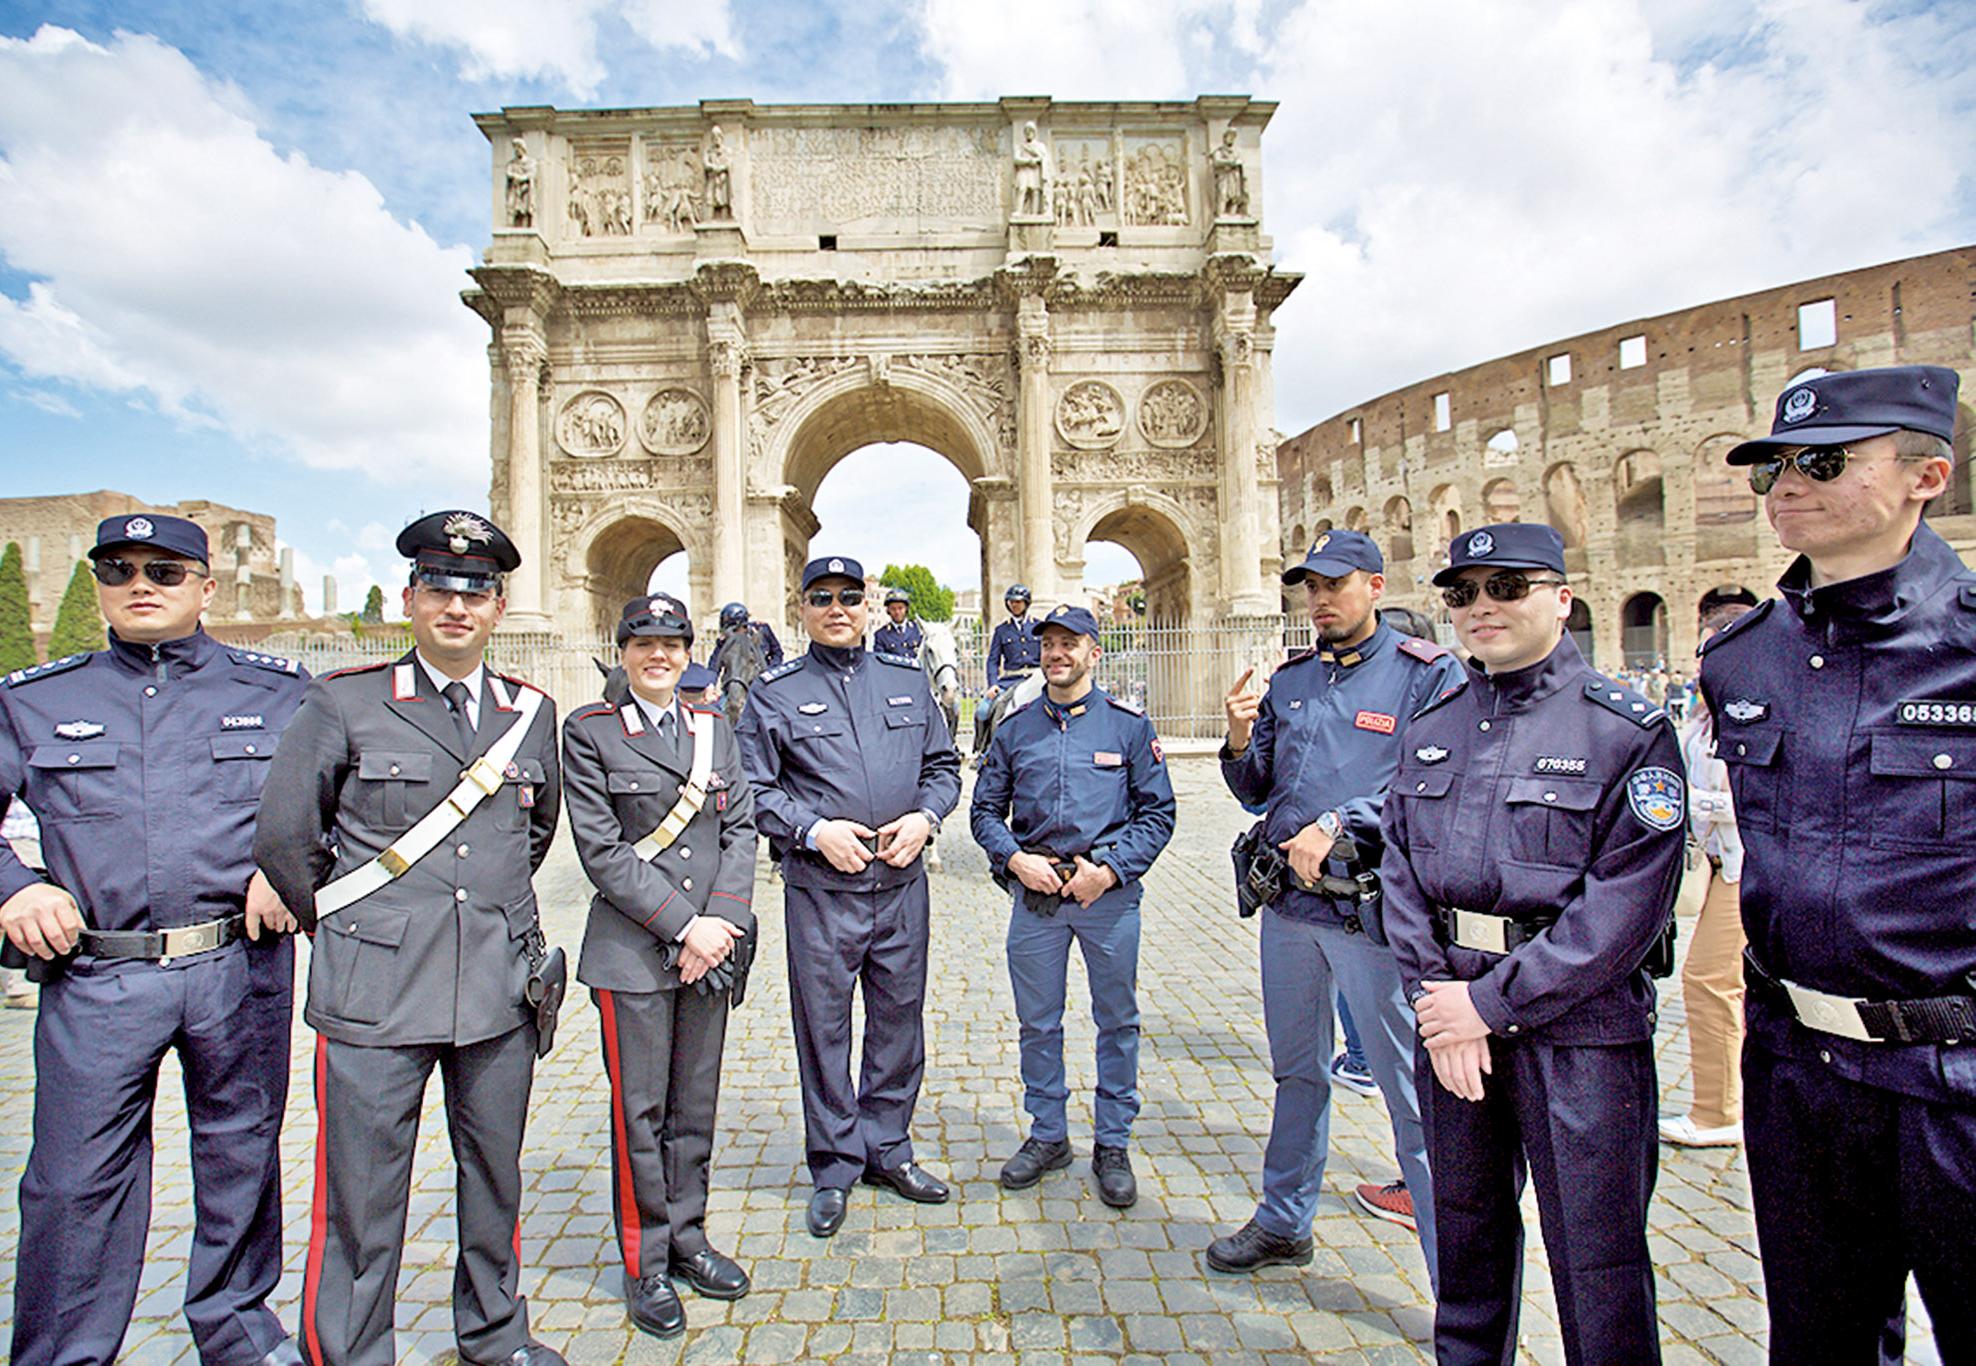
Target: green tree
931,602
79,620
16,622
374,606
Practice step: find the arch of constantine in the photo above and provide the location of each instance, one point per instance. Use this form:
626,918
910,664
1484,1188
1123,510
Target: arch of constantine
698,311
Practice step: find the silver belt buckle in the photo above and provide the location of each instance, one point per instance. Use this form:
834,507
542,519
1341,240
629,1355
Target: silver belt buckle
190,939
1484,933
1828,1014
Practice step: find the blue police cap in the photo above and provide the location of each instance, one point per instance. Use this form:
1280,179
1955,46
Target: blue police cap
1830,410
697,678
174,535
833,567
1071,618
1336,554
1506,545
656,614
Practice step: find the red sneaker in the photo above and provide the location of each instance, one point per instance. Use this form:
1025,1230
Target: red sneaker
1392,1202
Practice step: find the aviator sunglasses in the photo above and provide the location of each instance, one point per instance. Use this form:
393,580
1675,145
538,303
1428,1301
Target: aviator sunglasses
1511,585
823,597
1822,464
164,573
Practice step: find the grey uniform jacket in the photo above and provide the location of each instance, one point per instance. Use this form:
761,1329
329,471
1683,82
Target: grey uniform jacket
437,955
622,778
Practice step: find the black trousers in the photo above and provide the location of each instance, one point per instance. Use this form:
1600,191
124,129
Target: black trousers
662,1053
837,941
367,1105
1854,1188
1580,1121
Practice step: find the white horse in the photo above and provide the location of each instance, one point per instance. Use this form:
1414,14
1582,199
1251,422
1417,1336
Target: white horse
939,659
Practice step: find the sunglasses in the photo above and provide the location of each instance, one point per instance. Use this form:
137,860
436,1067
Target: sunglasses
164,573
823,597
1822,464
1511,585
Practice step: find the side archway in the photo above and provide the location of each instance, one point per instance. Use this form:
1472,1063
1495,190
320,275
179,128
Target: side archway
618,552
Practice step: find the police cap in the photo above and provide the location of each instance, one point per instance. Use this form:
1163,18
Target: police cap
1336,554
656,614
697,678
1853,405
833,567
459,552
173,535
1071,618
1506,545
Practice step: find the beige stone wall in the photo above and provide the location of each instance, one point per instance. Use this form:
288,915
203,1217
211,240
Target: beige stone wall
1625,460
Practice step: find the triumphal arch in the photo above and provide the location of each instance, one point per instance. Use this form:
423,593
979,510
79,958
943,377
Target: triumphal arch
698,311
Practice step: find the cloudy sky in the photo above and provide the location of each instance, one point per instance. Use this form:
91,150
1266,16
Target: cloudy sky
232,236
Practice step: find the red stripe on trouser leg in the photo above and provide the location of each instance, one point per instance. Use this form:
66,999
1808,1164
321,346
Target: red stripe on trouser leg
318,1211
628,1229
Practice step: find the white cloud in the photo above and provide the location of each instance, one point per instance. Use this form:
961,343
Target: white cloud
178,257
1071,49
53,404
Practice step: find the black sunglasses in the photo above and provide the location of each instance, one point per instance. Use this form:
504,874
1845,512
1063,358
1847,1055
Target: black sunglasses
1820,463
1510,585
164,573
823,597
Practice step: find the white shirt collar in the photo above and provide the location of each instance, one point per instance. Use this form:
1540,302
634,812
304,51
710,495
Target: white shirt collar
440,680
653,711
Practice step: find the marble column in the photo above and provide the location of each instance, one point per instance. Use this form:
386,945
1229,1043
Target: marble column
728,356
1241,514
526,356
1033,442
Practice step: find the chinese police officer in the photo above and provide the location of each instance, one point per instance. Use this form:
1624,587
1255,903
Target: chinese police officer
407,808
1533,850
1846,715
1320,749
901,633
663,824
852,770
1072,806
143,763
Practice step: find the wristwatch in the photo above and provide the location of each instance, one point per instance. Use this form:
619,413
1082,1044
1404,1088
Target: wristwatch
931,820
1331,823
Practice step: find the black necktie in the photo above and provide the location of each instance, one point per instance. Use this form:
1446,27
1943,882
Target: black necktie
665,725
456,698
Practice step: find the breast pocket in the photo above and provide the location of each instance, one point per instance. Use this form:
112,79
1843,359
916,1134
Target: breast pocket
1550,821
520,788
74,782
1429,809
1754,756
385,775
240,764
634,793
1923,789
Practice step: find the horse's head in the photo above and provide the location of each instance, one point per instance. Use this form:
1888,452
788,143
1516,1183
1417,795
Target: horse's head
939,657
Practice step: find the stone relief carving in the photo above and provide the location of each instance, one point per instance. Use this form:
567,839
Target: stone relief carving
674,184
591,424
805,176
719,189
1032,176
1172,413
1066,511
600,186
1156,182
673,477
1164,469
675,422
1231,179
779,384
521,185
1090,414
1083,189
984,380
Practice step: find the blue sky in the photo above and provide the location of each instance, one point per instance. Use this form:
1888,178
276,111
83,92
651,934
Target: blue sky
232,235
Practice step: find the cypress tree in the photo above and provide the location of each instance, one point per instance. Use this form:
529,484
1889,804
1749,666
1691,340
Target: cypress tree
79,620
16,622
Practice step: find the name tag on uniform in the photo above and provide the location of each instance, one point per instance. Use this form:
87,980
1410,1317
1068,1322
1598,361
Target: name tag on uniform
1105,758
242,723
1924,711
1558,763
898,701
1376,721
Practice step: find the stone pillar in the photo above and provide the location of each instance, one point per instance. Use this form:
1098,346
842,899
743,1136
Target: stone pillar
1033,441
1241,514
526,356
287,608
993,513
727,356
329,595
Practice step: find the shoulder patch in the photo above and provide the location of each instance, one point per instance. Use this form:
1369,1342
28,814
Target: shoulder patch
1426,651
272,663
782,670
1762,610
1131,707
1456,691
1621,700
897,661
48,670
1298,657
359,669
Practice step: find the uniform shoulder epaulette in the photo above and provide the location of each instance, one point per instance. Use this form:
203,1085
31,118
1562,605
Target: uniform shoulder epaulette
1621,700
593,709
1456,691
898,661
48,670
355,669
1299,657
1968,595
274,664
1750,618
1132,707
1426,651
782,670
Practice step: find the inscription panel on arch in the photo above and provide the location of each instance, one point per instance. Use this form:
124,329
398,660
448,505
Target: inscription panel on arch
802,177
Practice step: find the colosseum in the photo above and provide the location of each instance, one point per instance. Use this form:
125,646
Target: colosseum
1616,438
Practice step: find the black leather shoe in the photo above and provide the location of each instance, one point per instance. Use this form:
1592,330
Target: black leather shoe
910,1180
654,1306
1117,1186
1252,1247
1031,1160
826,1214
711,1274
535,1354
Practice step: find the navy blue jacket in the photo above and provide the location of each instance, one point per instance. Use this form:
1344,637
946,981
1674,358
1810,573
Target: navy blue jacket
844,734
1327,738
143,764
1550,790
1013,646
902,639
1846,716
1084,779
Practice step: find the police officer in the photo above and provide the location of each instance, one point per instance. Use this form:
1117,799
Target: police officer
663,823
1533,849
1846,715
427,943
852,771
734,620
143,762
1013,654
1320,749
1072,806
901,634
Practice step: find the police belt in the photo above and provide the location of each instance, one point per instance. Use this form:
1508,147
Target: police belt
1486,933
1933,1019
182,941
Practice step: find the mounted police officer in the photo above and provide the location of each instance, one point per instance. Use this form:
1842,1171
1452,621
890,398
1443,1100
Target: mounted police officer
852,770
1533,850
901,634
1846,715
1072,806
1013,654
1319,749
745,650
405,813
156,934
664,825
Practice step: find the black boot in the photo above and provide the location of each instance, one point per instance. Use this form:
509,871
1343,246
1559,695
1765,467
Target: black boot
1252,1247
1035,1157
1117,1186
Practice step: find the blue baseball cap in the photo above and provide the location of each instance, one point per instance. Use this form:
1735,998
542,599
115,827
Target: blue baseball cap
1071,618
1336,554
833,567
1506,545
697,677
173,535
1853,405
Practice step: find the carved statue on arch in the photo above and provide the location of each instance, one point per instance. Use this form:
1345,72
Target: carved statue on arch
1231,179
521,185
720,194
1032,176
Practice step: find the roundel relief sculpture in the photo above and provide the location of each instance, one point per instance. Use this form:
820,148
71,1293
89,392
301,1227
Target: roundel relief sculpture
592,423
1090,414
674,422
1172,413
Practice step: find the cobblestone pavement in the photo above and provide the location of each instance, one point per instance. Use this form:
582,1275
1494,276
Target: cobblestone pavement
1046,1276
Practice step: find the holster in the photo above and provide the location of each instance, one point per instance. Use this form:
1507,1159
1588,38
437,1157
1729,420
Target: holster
1039,903
37,968
1659,961
548,980
1259,871
742,956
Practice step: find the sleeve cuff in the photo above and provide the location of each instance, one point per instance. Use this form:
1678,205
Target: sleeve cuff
1494,1010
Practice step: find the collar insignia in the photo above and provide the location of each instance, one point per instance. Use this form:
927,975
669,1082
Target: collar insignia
1743,710
1430,754
78,730
464,532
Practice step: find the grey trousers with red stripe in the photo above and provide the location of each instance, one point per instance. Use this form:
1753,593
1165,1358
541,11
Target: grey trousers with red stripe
662,1051
367,1105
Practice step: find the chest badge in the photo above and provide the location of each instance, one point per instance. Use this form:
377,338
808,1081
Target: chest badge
1376,721
1430,754
898,701
253,722
1105,758
1657,797
814,708
1559,763
78,730
1743,711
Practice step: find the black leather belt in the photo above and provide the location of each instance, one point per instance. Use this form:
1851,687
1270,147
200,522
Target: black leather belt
1486,933
184,941
1930,1019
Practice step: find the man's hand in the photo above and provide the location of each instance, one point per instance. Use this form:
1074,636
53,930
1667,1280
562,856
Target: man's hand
1460,1067
1036,873
264,909
1447,1016
1093,880
708,941
903,837
1241,706
994,691
838,842
1307,850
41,919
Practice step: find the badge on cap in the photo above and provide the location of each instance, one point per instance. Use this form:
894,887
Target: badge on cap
1322,542
140,528
463,532
1799,404
1480,544
1657,798
835,566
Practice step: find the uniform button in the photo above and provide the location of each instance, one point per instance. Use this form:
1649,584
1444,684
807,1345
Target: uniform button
1484,725
1824,1056
1742,749
75,758
250,749
1944,761
686,884
1420,787
684,852
1818,661
459,894
150,692
461,851
1550,796
1514,1028
394,770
